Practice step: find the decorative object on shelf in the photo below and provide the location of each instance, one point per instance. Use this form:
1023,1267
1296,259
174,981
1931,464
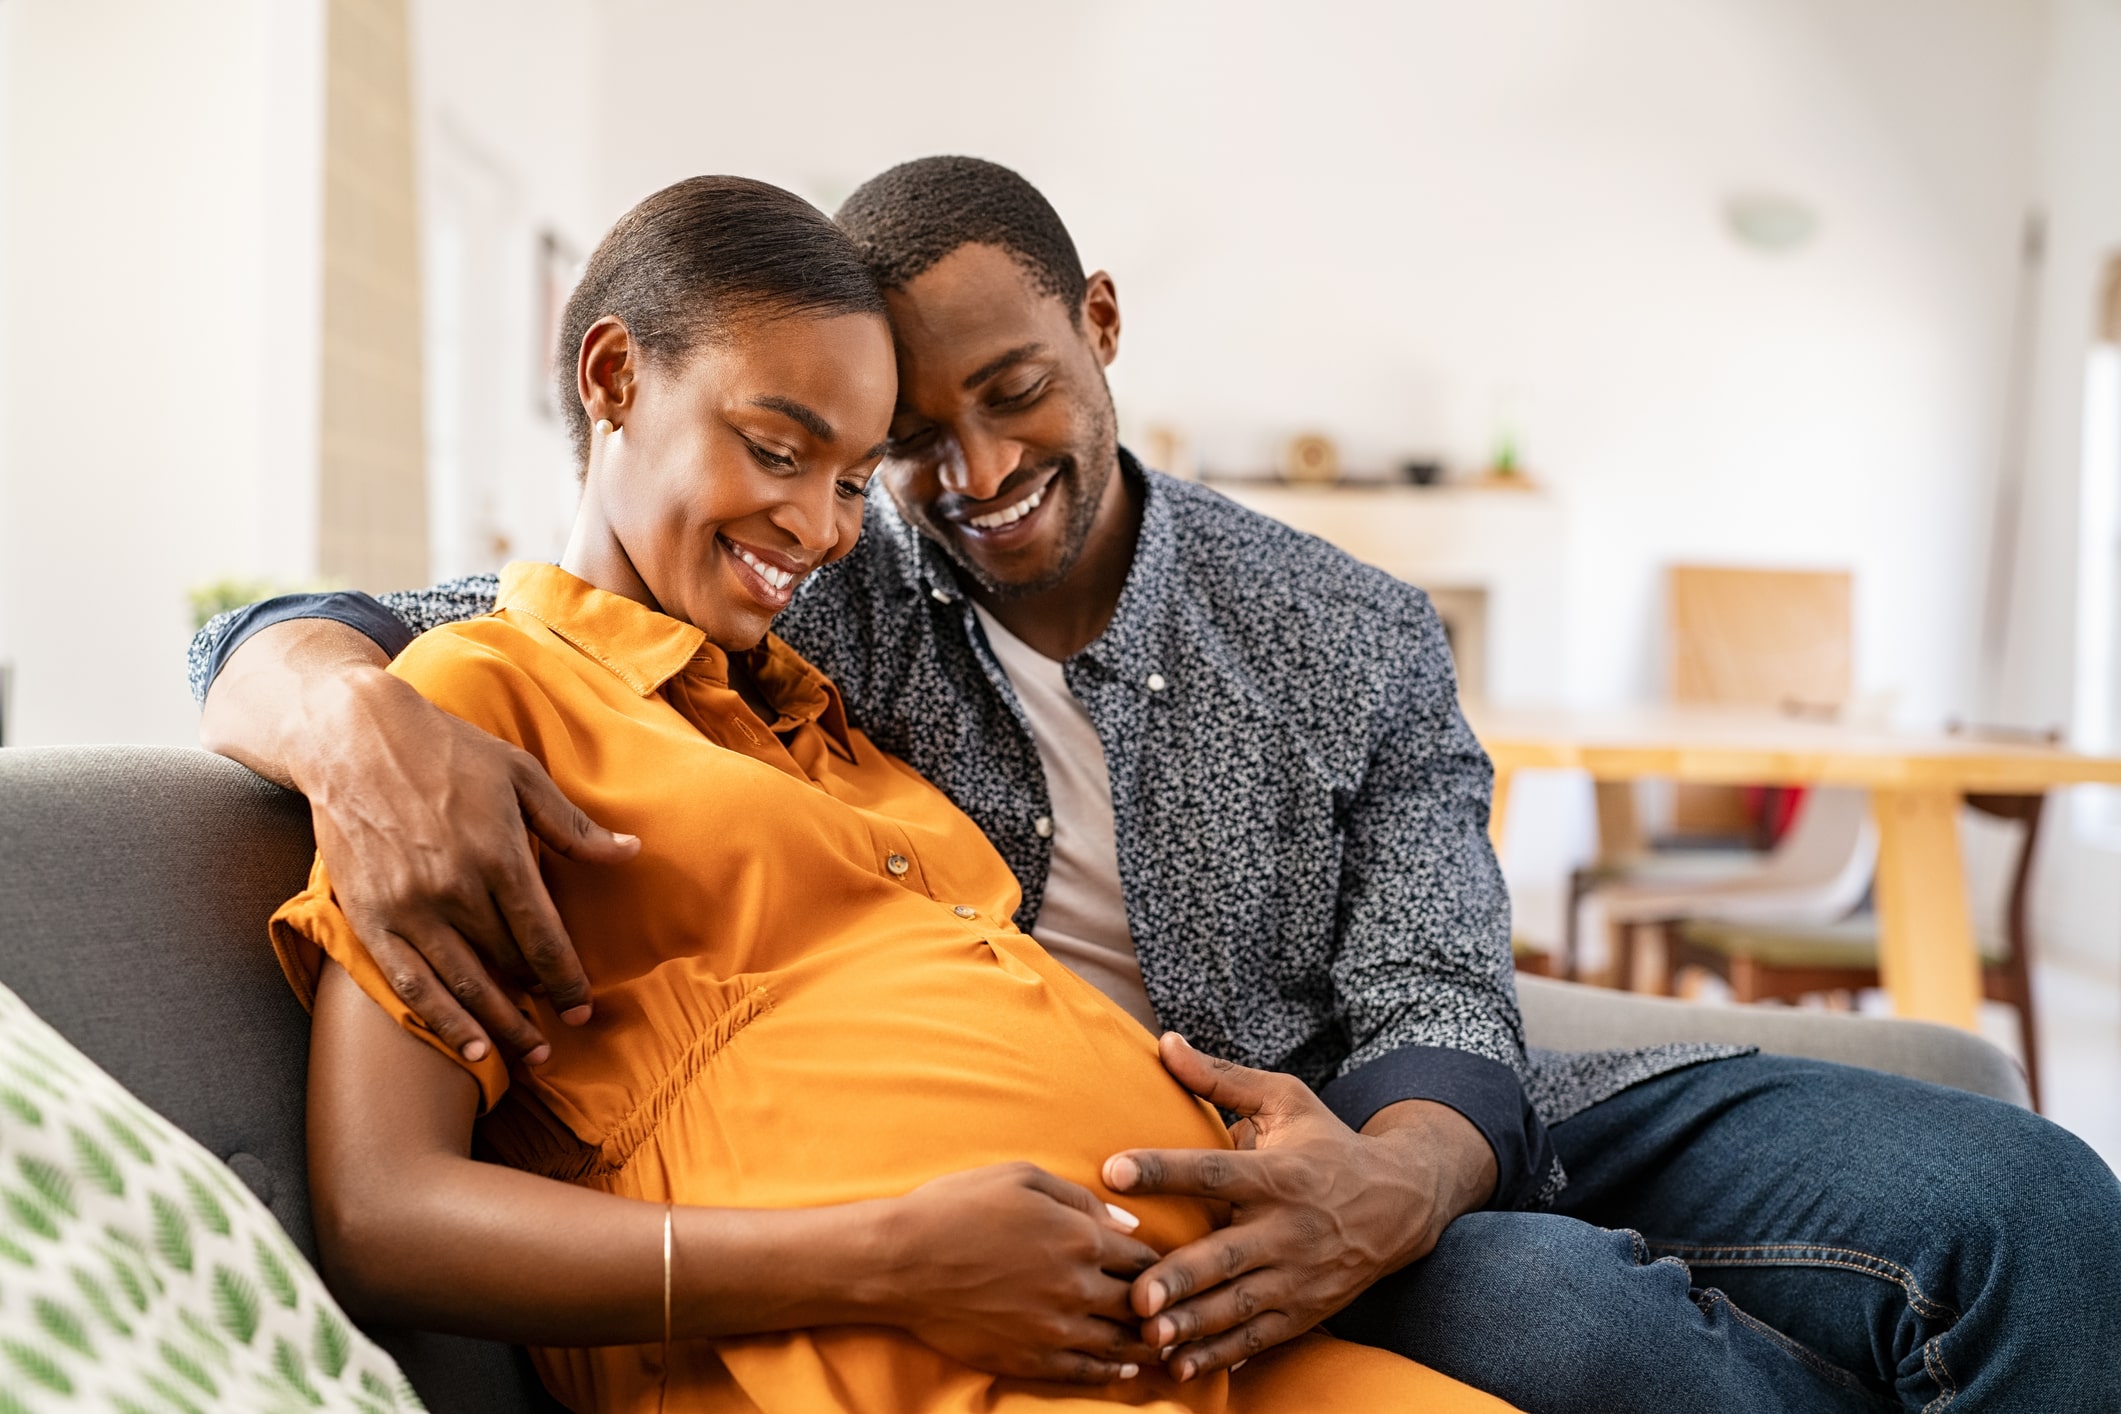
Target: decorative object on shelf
1422,471
1311,459
1506,471
1170,451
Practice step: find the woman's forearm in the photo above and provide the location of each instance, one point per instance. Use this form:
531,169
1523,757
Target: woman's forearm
483,1250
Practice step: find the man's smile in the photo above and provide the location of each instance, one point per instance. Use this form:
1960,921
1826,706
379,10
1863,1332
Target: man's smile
1006,523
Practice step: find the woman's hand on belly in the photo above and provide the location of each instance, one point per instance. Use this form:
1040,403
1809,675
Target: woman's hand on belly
1016,1272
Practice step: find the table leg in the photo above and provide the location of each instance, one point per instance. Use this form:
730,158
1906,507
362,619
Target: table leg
1499,810
1926,956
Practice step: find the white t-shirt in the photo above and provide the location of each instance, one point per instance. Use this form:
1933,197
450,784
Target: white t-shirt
1083,921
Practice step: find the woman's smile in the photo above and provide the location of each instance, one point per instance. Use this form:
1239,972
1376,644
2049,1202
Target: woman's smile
768,576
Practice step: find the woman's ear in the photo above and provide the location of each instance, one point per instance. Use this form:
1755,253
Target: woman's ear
606,374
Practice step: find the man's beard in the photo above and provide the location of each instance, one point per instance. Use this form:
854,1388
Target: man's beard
1085,498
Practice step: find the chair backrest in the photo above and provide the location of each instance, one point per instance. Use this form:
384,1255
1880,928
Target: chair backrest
134,887
1761,638
1753,638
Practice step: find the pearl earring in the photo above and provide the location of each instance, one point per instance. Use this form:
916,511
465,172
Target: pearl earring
604,428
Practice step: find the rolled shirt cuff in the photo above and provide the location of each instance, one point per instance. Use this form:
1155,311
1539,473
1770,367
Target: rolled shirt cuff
357,611
1486,1092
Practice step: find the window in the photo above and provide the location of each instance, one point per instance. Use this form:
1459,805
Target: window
2096,722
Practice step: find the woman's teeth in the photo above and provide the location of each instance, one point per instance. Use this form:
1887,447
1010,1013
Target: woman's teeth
1014,513
778,578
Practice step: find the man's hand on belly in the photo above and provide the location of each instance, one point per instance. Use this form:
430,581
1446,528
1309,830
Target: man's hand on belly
1317,1211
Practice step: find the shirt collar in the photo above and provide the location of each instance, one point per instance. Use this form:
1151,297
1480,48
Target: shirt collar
1128,645
642,648
645,649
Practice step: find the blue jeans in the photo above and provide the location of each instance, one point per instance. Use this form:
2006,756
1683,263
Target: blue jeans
1775,1234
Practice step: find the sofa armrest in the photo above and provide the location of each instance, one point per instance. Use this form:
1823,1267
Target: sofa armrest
1566,1016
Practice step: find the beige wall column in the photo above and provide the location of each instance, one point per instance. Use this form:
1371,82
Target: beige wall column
372,481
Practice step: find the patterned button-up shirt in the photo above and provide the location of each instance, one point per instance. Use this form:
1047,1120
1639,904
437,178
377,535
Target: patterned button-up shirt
1300,809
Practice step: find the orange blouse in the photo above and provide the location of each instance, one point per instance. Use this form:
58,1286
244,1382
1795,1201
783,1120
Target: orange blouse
808,991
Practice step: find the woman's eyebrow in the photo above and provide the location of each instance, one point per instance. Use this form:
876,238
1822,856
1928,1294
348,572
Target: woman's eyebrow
789,408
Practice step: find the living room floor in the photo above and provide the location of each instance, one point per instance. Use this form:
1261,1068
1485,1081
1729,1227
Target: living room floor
2080,1049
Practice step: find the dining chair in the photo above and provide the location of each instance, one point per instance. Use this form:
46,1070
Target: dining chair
1818,874
1784,959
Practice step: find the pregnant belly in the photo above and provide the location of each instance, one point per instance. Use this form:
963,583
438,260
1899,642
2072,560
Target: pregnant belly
865,1072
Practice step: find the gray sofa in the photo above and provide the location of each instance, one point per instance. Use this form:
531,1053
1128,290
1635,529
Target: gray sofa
134,887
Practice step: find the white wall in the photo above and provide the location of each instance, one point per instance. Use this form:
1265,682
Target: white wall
152,341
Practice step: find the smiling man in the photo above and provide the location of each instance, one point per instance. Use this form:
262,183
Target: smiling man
1227,764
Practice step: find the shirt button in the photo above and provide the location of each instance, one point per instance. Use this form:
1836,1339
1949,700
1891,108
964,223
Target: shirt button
1044,826
1156,682
965,911
942,596
897,864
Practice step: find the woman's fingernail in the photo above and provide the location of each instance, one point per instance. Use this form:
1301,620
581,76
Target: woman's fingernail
1185,1371
1239,1365
1157,1297
538,1055
475,1050
1165,1353
576,1015
1128,1372
1121,1216
627,839
1121,1173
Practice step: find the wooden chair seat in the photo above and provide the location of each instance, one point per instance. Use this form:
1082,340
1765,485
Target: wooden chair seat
1850,946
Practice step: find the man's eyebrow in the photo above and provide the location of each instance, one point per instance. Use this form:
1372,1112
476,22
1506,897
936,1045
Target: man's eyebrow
878,450
995,365
788,407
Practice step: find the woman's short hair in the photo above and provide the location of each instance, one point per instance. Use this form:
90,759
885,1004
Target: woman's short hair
680,268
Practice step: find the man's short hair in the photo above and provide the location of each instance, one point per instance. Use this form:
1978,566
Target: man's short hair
907,219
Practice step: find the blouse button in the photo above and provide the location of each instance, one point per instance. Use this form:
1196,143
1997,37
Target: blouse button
942,596
1043,827
897,864
1156,682
965,911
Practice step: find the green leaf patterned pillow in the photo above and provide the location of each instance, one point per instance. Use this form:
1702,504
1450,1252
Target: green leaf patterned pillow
138,1274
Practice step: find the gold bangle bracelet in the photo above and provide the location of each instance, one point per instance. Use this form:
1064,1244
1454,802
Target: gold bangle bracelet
668,1253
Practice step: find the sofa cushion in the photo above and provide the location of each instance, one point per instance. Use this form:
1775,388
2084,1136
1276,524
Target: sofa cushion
137,1272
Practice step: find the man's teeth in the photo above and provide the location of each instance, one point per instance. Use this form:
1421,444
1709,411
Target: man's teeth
1014,513
778,578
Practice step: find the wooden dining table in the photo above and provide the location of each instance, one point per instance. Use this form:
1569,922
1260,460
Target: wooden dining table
1928,963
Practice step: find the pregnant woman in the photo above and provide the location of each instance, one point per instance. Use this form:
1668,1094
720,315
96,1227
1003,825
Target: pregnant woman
831,1139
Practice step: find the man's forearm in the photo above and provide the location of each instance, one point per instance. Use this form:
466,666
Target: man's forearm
275,691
